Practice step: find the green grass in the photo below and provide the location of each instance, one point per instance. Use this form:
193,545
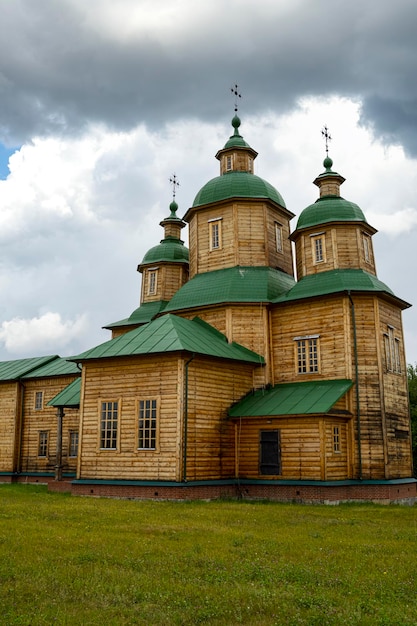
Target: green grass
67,560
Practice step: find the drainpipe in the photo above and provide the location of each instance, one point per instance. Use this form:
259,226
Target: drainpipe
184,461
358,414
58,466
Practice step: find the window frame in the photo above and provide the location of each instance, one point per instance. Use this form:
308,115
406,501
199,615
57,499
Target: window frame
38,405
152,281
336,439
215,234
43,444
307,354
318,247
367,248
71,445
229,163
113,428
392,350
150,428
279,241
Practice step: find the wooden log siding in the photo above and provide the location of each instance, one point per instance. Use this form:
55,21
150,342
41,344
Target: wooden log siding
306,448
210,442
247,325
211,390
279,260
46,420
126,381
9,425
343,250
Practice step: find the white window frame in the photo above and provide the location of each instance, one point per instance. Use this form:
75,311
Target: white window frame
148,421
318,247
229,163
152,281
307,351
109,425
215,234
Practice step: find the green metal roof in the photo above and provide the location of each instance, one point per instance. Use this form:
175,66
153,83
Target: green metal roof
170,249
234,284
57,367
142,315
12,370
330,209
237,184
336,281
170,333
302,398
68,397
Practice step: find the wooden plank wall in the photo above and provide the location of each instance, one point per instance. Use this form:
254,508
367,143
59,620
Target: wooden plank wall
46,419
9,432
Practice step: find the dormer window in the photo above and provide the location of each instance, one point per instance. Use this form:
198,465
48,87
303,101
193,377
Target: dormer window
229,163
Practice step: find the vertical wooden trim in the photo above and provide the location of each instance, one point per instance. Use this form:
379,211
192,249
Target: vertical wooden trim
235,218
322,435
81,420
380,357
335,248
180,419
271,346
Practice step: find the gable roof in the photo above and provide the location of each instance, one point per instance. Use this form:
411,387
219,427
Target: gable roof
303,398
170,333
234,284
13,370
57,367
69,397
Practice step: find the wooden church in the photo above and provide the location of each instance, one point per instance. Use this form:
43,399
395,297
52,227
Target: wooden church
232,378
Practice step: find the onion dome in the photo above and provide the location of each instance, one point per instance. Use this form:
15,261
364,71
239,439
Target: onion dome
330,207
236,179
171,249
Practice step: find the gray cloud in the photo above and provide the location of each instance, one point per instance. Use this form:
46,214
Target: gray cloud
59,71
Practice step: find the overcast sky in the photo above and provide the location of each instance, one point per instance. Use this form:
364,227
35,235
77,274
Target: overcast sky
101,101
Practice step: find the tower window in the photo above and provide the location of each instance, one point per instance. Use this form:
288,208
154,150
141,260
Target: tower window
392,351
278,236
152,282
229,163
215,234
307,354
318,243
250,164
367,248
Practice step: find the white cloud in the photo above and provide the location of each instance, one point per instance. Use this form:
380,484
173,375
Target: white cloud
49,332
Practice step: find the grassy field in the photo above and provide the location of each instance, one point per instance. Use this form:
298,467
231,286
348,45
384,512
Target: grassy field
67,560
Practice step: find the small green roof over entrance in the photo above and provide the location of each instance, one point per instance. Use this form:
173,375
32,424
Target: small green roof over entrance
237,184
170,333
234,284
68,397
303,398
142,315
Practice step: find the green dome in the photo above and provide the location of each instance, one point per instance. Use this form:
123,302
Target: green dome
330,209
237,184
170,250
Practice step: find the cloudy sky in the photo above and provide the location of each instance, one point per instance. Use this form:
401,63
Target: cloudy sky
102,101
